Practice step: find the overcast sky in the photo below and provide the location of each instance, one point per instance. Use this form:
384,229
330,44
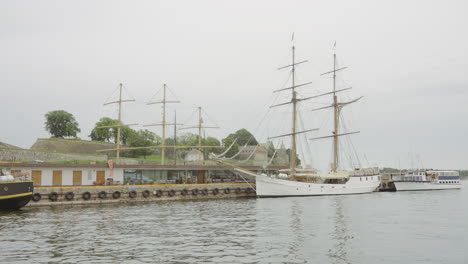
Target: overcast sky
409,59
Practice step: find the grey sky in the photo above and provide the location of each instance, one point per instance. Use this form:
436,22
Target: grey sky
408,58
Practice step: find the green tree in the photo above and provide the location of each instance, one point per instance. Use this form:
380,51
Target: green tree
270,148
244,137
227,143
61,124
298,160
142,138
187,139
104,134
211,141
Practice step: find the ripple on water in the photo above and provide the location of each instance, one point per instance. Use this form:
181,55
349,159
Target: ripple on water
370,228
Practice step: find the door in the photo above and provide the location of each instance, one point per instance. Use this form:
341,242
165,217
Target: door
77,177
100,177
37,177
200,177
57,178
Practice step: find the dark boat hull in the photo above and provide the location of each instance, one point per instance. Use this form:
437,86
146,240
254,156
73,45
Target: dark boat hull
14,195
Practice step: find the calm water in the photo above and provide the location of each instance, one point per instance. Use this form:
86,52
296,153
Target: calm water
406,227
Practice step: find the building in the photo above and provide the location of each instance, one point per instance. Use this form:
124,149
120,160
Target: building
257,154
194,155
97,174
67,174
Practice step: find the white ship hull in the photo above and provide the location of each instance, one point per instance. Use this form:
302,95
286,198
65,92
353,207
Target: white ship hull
424,186
273,187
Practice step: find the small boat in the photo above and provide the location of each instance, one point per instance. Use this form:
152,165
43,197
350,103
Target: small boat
15,192
428,180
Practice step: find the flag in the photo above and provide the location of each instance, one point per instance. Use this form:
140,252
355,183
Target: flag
334,46
292,37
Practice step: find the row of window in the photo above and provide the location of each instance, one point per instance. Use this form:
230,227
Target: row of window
449,182
371,177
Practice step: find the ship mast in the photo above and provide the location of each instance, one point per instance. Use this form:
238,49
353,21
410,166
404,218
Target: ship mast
200,127
163,124
294,101
119,120
292,158
336,114
337,106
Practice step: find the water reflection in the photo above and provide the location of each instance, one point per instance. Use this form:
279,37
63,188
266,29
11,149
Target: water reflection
340,235
286,230
296,230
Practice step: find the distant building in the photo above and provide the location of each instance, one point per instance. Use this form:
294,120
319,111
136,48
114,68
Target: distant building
194,155
258,154
281,156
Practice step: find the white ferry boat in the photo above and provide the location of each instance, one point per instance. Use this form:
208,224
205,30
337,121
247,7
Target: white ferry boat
428,180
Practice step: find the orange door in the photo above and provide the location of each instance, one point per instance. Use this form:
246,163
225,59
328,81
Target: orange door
37,177
100,176
56,178
201,177
77,177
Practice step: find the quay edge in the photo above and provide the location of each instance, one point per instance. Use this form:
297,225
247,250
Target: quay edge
78,195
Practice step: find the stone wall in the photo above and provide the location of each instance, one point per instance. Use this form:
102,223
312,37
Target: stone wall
71,146
23,155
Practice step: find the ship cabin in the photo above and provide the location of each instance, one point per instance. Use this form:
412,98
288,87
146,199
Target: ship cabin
445,177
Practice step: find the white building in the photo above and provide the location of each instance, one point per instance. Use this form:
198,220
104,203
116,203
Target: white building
67,174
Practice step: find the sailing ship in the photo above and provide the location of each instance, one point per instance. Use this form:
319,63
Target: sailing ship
421,180
302,183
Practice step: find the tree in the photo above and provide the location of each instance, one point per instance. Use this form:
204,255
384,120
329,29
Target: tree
104,134
211,141
298,160
142,138
244,137
187,139
227,143
61,124
270,148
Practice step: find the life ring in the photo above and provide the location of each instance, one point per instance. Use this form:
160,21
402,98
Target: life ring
171,193
116,195
69,196
238,190
146,193
53,196
86,196
215,191
227,190
132,194
184,192
204,191
159,193
195,192
36,197
102,195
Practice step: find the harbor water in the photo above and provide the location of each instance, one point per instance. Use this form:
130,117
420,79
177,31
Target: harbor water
401,227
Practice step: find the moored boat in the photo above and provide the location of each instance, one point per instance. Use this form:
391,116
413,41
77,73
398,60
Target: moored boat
428,180
15,192
300,183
